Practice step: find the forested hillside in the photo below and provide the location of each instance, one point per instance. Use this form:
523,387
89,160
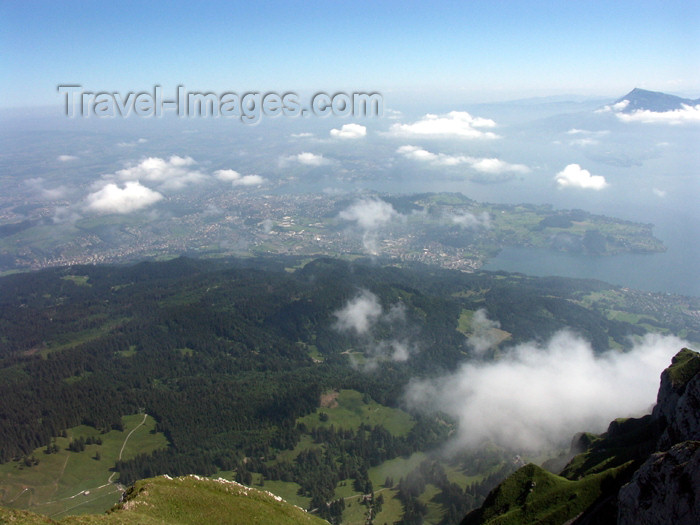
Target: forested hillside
230,356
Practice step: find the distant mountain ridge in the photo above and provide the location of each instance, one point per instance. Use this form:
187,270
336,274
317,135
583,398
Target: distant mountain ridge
642,471
641,99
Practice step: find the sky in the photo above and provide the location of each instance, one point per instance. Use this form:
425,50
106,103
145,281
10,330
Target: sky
473,50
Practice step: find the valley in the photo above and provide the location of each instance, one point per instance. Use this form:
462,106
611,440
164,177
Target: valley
263,371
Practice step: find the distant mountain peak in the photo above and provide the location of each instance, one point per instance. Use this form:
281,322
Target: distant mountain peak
642,99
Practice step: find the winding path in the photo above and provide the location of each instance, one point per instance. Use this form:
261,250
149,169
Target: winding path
109,481
143,422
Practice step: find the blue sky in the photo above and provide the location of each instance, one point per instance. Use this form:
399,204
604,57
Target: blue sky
474,50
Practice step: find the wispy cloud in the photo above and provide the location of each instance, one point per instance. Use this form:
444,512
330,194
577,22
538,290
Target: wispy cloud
484,334
370,215
132,143
361,314
66,158
457,124
38,184
482,165
469,220
574,176
237,179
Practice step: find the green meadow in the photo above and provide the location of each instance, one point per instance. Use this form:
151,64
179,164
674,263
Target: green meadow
67,482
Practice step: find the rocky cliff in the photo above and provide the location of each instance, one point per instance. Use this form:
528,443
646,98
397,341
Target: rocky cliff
641,471
666,488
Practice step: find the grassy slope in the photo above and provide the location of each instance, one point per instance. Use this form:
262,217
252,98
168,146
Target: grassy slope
58,483
684,366
188,500
534,495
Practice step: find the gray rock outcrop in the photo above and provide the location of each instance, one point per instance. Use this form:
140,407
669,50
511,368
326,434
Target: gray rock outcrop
664,490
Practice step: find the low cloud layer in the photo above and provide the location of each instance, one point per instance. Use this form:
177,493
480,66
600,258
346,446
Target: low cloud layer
686,114
482,165
537,396
456,124
349,131
113,199
613,108
574,176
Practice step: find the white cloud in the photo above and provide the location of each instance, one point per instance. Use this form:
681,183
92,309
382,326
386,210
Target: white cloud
537,396
302,135
113,199
305,158
172,174
686,115
482,165
359,314
349,131
416,153
249,180
458,124
659,192
237,179
498,166
227,175
67,158
619,106
574,176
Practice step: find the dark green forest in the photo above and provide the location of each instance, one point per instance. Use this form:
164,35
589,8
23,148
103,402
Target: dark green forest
226,355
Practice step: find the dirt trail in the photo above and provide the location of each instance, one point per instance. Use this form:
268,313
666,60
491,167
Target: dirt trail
143,422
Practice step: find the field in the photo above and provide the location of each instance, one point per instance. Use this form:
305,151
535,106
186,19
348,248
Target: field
347,409
67,482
